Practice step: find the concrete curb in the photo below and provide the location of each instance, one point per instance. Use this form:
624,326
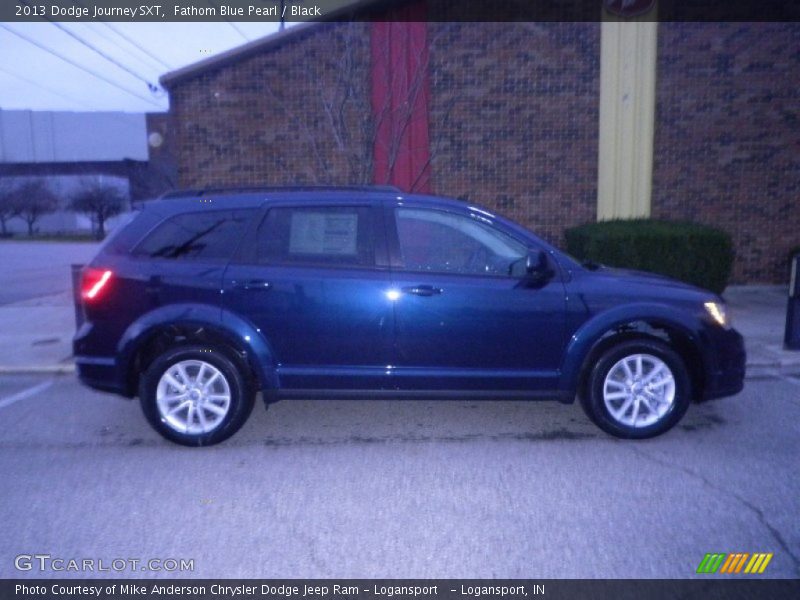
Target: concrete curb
772,371
37,369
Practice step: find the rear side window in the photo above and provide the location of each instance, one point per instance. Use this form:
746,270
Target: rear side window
207,235
336,235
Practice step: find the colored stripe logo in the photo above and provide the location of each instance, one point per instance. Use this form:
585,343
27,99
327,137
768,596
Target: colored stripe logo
737,562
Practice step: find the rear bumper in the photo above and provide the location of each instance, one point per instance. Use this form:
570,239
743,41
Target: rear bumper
96,365
100,373
726,363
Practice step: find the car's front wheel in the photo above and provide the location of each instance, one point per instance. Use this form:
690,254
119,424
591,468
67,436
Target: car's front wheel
637,389
195,396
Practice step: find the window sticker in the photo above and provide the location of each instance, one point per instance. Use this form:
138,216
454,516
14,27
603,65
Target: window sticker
323,233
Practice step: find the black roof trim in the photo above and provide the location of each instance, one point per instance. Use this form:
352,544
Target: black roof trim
194,192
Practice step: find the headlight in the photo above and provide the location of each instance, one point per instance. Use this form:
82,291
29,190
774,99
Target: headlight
717,312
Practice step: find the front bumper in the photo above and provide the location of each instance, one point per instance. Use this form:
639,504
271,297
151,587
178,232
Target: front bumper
725,363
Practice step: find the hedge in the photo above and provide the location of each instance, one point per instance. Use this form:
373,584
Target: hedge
697,254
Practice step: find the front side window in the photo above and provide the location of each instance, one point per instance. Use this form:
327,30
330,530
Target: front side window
207,235
442,242
335,235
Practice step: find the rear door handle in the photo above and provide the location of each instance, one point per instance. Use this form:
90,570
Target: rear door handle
422,290
253,285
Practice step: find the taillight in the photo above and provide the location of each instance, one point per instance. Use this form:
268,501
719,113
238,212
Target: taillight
93,282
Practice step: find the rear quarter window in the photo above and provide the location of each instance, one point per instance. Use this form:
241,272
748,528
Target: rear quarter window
115,241
207,235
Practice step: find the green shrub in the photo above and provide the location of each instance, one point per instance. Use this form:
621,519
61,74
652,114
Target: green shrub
697,254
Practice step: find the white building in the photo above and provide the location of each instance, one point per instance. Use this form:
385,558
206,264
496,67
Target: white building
65,147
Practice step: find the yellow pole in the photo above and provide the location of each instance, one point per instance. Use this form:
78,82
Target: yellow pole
628,49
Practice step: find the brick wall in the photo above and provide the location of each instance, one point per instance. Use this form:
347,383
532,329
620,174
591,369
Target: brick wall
513,124
513,117
727,147
262,119
514,110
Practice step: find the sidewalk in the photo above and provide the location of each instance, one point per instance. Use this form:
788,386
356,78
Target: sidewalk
35,335
37,318
759,313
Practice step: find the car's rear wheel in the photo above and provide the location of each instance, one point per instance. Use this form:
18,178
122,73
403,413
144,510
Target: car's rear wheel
637,389
195,396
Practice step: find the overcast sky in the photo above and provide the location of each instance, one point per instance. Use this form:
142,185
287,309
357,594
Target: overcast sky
122,59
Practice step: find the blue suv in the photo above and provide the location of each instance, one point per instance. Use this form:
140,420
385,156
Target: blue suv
207,297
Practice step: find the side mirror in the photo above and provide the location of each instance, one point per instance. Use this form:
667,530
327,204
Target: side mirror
537,268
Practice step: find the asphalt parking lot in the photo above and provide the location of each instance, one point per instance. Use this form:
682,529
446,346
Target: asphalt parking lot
399,489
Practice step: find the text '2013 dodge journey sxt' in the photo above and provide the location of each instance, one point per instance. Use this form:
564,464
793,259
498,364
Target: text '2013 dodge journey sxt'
206,297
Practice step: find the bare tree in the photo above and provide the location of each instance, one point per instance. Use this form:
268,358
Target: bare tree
346,126
100,201
9,204
351,124
33,199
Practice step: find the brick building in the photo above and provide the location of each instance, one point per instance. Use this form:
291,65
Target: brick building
699,120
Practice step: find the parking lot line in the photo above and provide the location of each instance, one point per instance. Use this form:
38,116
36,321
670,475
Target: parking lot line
31,391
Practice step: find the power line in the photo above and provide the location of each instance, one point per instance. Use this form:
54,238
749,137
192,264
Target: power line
129,40
239,31
216,7
114,42
113,114
151,86
135,45
79,66
45,88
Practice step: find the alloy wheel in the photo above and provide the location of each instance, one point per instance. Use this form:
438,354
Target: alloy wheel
639,390
193,396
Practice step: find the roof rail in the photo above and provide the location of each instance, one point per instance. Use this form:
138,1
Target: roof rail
193,192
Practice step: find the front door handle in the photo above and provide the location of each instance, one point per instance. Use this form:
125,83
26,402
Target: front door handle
422,290
253,285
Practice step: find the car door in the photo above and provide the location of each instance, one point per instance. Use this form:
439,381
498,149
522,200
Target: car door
310,281
465,317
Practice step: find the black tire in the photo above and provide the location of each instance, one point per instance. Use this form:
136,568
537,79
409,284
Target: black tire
593,402
241,394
